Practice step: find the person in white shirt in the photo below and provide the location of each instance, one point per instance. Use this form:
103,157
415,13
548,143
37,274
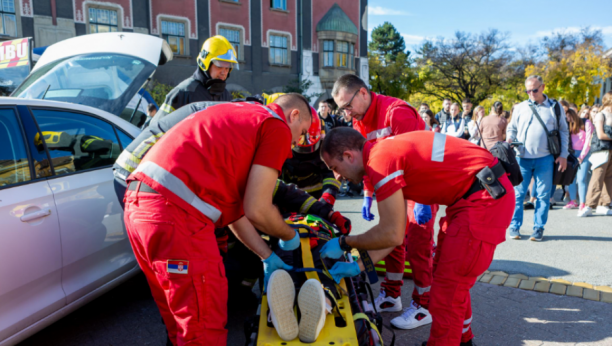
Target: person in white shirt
455,124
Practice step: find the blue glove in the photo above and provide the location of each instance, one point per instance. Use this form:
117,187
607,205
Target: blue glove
271,264
290,245
344,269
365,210
422,213
332,249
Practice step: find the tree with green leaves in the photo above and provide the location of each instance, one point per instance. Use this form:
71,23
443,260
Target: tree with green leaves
391,70
387,43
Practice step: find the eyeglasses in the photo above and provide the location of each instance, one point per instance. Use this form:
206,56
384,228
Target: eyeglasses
535,91
348,105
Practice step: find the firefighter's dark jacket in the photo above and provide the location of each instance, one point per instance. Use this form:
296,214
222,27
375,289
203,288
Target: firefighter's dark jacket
192,89
310,174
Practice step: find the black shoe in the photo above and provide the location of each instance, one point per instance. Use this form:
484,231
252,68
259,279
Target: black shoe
528,205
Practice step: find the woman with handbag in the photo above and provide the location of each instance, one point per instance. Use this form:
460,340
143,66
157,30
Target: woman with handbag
580,131
600,187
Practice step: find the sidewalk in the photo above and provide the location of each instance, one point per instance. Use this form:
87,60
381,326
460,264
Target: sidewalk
514,317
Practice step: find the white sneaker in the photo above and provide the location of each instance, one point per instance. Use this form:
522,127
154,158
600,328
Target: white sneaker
414,316
385,303
603,210
281,296
311,301
586,211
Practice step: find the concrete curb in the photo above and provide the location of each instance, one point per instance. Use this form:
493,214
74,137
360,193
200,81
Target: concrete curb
544,285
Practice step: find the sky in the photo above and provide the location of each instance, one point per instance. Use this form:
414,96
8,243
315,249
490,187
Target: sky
526,21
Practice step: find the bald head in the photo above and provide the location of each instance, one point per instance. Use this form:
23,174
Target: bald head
294,101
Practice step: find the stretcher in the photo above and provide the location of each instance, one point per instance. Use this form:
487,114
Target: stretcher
354,320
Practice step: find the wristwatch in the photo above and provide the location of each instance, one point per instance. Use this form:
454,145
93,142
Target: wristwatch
343,245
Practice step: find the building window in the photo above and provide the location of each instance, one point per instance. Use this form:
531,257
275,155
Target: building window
279,4
233,36
328,53
279,54
101,20
351,56
8,20
342,55
174,33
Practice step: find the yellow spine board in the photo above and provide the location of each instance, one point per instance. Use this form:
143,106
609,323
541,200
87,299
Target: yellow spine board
330,334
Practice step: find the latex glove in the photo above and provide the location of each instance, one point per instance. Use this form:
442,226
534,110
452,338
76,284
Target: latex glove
343,223
342,270
328,198
272,263
422,213
290,245
332,249
365,210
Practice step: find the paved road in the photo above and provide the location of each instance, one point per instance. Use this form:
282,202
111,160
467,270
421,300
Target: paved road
575,249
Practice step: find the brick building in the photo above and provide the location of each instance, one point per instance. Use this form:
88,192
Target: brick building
277,41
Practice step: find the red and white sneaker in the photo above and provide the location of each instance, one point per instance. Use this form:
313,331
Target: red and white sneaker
414,316
385,303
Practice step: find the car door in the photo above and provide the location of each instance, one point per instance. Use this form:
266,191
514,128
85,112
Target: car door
95,247
30,248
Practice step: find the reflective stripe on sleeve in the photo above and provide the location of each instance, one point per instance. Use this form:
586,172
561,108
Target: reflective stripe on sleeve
379,133
312,188
178,187
437,149
468,321
167,108
464,330
307,204
331,181
145,145
128,161
388,179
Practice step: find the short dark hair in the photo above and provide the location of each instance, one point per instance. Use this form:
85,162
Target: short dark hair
424,104
466,100
151,107
341,139
447,99
294,101
350,82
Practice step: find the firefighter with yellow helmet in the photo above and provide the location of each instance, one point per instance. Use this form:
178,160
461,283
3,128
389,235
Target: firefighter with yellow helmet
215,63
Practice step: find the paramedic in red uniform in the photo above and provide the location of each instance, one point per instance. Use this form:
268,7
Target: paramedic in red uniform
217,167
378,117
428,168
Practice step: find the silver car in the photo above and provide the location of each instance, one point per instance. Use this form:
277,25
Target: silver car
62,238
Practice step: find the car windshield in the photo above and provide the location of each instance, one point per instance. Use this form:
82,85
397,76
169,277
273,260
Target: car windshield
103,80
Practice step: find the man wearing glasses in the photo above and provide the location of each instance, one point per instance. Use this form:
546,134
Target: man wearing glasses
378,117
534,156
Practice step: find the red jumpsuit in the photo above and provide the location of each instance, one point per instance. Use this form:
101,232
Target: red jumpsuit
388,116
199,171
432,168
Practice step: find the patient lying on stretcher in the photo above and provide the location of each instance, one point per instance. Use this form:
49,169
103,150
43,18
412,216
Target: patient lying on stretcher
314,303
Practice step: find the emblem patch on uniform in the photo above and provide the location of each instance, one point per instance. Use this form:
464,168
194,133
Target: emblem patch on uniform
178,266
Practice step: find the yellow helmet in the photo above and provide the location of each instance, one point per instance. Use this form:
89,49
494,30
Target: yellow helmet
270,98
218,50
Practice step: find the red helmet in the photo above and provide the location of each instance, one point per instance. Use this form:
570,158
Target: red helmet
310,142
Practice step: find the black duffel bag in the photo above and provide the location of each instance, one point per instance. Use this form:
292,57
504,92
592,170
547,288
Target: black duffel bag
566,177
505,154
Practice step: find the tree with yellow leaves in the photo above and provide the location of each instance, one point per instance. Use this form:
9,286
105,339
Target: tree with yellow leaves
573,71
